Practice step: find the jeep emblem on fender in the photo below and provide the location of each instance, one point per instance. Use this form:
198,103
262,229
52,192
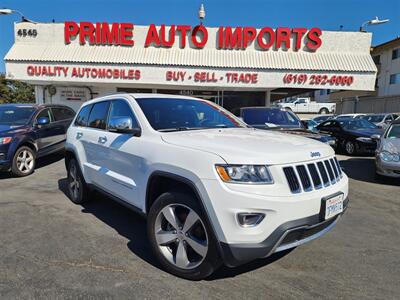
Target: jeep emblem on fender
315,154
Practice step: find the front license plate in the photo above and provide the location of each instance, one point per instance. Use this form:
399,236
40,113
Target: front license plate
333,206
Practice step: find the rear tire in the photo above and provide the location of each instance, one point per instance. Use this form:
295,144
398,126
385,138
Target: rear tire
181,238
78,190
323,111
24,162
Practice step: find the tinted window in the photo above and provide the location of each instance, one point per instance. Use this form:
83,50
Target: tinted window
394,78
98,115
282,118
121,108
62,113
329,124
16,115
321,118
356,124
83,116
45,113
396,53
374,118
393,132
183,114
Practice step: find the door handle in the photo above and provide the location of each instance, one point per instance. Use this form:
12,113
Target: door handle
102,139
79,135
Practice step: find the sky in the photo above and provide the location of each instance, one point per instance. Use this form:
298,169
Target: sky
326,14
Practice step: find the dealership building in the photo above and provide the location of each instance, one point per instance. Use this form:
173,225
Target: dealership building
72,62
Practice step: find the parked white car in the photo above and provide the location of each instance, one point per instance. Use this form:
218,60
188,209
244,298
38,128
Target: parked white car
305,105
349,116
213,190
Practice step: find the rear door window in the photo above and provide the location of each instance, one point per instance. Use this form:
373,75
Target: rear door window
62,113
83,116
98,115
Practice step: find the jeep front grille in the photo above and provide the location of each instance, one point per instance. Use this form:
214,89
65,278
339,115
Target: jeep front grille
313,176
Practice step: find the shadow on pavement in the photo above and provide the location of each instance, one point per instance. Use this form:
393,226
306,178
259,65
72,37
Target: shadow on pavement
363,169
49,159
40,163
226,272
133,227
126,222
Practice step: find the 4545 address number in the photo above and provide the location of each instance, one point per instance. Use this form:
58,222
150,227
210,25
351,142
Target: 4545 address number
314,79
27,32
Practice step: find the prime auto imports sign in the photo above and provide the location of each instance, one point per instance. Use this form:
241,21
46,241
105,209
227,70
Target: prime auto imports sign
122,34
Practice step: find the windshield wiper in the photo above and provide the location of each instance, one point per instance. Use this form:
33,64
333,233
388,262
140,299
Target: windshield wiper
191,128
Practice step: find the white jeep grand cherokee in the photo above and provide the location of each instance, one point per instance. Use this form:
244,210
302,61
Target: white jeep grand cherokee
213,189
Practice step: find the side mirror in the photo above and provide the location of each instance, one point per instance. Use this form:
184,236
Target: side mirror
123,125
43,121
375,137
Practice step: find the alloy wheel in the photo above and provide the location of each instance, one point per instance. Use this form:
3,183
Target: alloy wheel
181,236
350,147
74,183
25,161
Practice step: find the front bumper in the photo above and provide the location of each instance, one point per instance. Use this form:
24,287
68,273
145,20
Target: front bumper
390,169
5,162
289,235
366,148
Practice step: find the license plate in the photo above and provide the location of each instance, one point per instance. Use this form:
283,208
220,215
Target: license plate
333,206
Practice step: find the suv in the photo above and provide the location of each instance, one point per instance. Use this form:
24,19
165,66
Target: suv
213,189
29,131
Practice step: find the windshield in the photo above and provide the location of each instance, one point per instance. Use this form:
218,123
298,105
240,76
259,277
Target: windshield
185,114
321,119
357,124
18,115
261,116
394,132
374,118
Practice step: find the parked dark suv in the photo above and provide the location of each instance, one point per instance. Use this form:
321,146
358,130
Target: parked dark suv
29,131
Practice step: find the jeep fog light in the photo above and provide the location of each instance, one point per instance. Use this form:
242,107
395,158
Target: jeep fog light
250,219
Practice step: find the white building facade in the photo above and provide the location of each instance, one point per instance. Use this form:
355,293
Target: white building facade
69,63
387,59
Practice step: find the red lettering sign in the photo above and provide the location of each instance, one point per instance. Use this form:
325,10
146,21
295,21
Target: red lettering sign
227,37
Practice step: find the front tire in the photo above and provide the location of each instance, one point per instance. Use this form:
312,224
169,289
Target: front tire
77,188
181,238
350,148
24,162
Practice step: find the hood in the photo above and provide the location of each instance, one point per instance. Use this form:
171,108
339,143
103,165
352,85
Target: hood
365,132
250,146
305,133
391,145
11,129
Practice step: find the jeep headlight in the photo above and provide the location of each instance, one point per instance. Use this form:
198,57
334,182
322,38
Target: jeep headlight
388,156
251,174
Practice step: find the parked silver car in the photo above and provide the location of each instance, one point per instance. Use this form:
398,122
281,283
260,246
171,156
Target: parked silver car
381,120
388,152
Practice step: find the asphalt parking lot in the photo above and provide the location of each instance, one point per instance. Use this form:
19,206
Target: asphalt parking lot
51,248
